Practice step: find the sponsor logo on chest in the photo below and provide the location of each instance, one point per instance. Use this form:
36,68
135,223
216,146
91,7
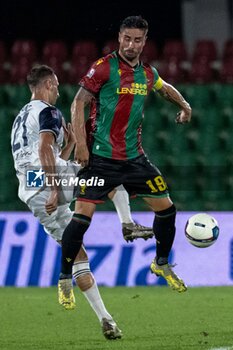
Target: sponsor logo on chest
135,89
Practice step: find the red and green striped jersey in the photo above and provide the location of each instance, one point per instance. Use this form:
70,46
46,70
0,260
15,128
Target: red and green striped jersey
116,113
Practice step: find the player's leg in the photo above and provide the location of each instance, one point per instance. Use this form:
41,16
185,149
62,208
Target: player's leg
87,198
54,225
151,186
81,272
130,229
164,228
74,260
71,243
72,238
87,284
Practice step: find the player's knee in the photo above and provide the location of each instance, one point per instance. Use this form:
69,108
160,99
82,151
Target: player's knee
82,275
76,229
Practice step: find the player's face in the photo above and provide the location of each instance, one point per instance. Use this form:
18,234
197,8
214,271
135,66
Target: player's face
131,41
53,90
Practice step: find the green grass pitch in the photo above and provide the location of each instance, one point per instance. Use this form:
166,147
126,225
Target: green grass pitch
151,318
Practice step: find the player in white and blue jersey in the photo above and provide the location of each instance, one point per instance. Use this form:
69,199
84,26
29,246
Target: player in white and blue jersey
36,139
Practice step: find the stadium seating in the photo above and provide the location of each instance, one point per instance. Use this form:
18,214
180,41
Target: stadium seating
77,71
3,52
198,95
54,51
59,68
172,60
201,72
174,49
3,75
205,50
225,115
223,95
195,158
227,50
19,72
67,93
171,71
84,51
182,152
24,51
55,55
109,46
150,52
226,71
14,97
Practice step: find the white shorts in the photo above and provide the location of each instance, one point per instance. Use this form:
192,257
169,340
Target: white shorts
55,223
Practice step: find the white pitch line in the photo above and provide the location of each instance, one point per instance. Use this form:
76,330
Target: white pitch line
224,348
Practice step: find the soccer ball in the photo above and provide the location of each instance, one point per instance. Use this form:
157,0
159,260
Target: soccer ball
201,230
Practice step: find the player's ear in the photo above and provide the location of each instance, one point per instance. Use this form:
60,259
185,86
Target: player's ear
48,83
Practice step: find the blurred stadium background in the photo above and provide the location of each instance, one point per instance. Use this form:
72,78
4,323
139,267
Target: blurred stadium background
190,43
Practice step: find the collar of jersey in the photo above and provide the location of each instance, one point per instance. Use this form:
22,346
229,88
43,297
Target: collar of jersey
122,59
42,102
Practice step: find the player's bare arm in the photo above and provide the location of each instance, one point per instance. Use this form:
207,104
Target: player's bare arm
82,98
173,95
47,160
69,139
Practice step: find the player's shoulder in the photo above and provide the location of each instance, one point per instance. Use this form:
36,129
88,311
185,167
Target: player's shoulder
36,106
51,111
148,67
43,106
45,110
103,61
100,68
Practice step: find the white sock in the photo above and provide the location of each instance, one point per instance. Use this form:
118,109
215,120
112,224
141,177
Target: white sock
94,299
121,202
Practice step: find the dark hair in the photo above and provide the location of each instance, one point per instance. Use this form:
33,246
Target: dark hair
134,22
38,73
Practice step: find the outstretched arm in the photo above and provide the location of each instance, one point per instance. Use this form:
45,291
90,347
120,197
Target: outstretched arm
173,95
82,98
